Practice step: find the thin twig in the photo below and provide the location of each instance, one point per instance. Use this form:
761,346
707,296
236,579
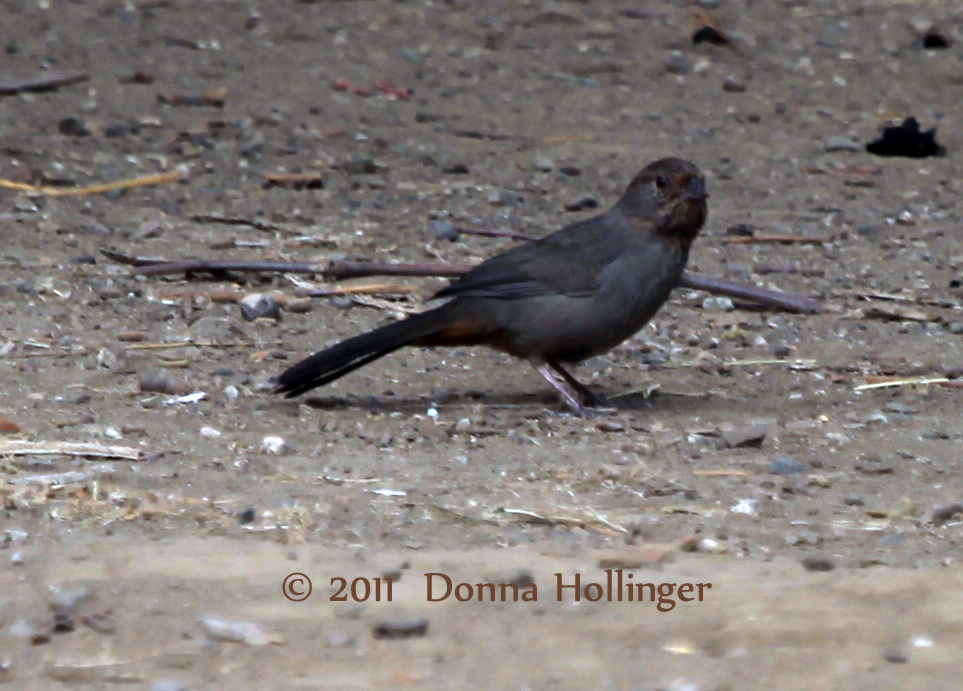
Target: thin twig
485,233
719,472
367,289
217,266
44,81
785,238
257,224
160,178
348,269
18,447
188,344
747,291
909,381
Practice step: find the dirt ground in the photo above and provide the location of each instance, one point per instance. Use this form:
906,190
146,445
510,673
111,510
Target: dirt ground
832,545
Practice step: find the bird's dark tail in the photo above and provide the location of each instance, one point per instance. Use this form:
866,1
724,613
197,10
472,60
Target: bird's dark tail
336,361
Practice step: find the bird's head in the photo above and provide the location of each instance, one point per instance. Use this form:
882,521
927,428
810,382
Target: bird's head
670,193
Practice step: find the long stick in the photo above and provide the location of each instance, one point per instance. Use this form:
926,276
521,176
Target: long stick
211,265
747,291
160,178
346,269
44,81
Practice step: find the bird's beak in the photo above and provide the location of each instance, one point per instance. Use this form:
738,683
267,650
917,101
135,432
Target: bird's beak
694,190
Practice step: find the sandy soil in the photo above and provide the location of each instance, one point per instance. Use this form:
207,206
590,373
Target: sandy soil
166,571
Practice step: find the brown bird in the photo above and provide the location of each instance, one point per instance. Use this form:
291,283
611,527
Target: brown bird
561,299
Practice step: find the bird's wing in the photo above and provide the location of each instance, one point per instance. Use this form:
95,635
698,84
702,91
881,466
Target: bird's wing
568,262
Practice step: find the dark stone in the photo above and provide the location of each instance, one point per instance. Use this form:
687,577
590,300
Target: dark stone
818,563
785,466
933,40
906,140
409,628
583,204
73,127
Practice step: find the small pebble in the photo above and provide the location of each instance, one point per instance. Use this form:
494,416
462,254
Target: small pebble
837,143
102,623
677,64
272,445
818,563
946,512
21,628
338,639
210,432
342,302
259,305
733,85
299,305
79,398
410,628
717,302
745,435
708,545
582,204
361,165
250,633
73,127
442,230
67,600
781,350
785,466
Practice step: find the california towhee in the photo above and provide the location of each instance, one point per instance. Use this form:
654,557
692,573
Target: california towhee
568,296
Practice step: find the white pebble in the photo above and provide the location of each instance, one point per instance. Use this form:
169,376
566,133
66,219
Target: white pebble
385,492
210,432
272,445
189,398
718,303
112,433
711,546
231,392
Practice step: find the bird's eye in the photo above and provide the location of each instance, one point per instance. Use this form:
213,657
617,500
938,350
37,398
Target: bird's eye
660,183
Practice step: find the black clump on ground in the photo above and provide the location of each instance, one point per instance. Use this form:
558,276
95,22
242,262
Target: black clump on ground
709,35
906,140
934,40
